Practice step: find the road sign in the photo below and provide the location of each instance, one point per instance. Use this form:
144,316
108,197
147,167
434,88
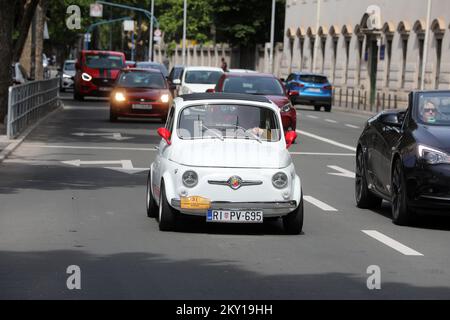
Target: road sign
128,25
96,10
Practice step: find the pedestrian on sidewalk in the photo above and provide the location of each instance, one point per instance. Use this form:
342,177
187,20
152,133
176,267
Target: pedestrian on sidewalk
224,65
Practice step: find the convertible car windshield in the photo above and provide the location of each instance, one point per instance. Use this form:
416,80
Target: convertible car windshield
228,122
434,109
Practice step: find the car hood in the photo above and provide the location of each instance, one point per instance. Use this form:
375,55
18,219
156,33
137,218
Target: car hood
230,153
199,88
436,137
280,101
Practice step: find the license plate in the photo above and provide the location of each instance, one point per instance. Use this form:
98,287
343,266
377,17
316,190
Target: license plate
142,106
105,89
314,90
235,216
195,202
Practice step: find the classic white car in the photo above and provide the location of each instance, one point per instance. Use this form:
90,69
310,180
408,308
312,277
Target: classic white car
224,157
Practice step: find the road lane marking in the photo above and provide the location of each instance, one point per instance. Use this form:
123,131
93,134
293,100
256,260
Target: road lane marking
87,108
352,126
335,143
392,243
323,154
341,172
330,121
312,117
318,203
112,136
32,145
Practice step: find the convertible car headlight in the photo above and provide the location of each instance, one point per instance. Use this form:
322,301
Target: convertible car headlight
280,180
286,107
190,179
86,77
432,156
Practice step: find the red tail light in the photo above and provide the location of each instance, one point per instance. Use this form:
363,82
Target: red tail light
328,88
297,84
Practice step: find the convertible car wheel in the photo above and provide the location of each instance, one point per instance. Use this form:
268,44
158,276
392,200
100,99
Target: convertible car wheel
293,222
401,214
364,198
167,217
152,209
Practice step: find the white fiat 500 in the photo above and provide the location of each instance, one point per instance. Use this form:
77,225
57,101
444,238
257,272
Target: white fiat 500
224,157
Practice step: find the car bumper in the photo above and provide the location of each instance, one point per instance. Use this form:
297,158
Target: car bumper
67,84
269,209
312,100
158,110
428,189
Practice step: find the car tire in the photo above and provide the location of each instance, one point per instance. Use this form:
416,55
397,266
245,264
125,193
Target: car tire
316,108
112,116
167,215
152,208
365,199
293,222
327,108
401,213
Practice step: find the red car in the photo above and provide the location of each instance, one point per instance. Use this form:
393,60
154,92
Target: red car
261,84
140,93
96,73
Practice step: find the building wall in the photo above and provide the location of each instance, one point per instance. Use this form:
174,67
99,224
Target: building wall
342,25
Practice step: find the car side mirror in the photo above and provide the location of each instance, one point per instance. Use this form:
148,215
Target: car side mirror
393,120
165,134
176,82
290,137
210,90
283,80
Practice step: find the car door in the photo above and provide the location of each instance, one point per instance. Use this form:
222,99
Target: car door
162,155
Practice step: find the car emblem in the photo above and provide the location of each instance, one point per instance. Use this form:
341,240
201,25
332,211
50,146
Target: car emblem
105,80
235,182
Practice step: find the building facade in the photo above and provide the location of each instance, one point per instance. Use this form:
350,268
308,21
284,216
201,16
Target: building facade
372,64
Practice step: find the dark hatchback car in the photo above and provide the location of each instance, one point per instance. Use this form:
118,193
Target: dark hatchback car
140,93
261,84
404,157
312,89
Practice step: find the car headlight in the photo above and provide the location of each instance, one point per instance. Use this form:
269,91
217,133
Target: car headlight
186,90
165,98
119,97
190,179
280,180
66,76
432,156
86,77
286,107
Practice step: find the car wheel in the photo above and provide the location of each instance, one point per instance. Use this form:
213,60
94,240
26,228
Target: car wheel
401,214
293,222
328,109
152,208
112,116
364,198
167,217
316,108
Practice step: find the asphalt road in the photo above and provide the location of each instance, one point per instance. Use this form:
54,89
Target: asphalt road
69,196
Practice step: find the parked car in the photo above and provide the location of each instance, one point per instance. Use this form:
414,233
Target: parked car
261,84
18,74
174,78
67,75
140,93
218,154
153,65
312,89
403,156
199,79
96,73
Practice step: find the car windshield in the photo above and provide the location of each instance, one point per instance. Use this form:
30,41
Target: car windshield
104,61
253,85
228,121
69,66
142,79
202,77
313,79
434,109
148,65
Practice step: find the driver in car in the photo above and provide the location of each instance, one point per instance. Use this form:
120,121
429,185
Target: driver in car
428,112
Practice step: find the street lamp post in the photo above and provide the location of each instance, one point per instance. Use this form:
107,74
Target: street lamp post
150,52
184,32
272,35
425,46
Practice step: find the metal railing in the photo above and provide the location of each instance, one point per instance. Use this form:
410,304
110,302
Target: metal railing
30,102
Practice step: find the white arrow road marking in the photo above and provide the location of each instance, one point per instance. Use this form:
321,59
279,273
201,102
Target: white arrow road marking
318,203
112,136
392,243
338,144
126,165
342,172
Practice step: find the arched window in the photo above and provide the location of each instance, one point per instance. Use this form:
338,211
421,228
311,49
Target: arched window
334,34
404,29
438,29
388,31
419,30
301,45
347,33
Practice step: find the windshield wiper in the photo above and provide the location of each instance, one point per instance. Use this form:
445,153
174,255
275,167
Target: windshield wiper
247,133
215,133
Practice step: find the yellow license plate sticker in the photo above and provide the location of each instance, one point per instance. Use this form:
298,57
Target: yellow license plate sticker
195,202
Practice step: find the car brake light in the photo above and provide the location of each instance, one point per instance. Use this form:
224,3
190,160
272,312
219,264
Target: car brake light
297,84
328,88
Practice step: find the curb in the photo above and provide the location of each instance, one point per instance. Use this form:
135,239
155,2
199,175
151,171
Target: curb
17,142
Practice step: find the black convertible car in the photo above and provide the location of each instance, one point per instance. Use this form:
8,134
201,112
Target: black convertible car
403,156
